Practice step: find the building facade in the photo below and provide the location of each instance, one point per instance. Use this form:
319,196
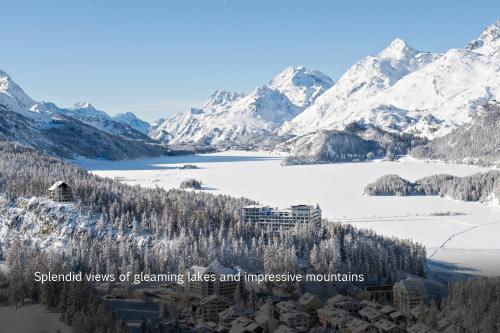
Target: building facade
274,220
212,305
408,294
60,192
214,279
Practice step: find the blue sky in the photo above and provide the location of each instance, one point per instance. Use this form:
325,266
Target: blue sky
157,58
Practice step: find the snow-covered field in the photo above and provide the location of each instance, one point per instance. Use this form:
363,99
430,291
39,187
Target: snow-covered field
469,241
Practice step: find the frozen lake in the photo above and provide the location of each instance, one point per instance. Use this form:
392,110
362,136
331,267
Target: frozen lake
469,241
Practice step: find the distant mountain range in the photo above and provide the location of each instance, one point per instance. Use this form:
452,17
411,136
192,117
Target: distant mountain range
81,131
247,119
400,91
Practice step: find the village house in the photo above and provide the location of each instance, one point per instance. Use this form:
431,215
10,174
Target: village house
211,306
287,306
60,192
244,325
414,291
387,310
311,304
356,325
333,318
381,294
227,316
224,282
387,326
346,303
409,293
420,328
370,314
298,320
267,316
399,318
285,329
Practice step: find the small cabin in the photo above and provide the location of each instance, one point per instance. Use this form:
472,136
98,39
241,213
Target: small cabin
60,192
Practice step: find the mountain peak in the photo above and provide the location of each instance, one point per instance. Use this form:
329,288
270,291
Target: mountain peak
13,93
221,98
82,105
397,49
130,119
489,40
300,76
301,85
126,115
85,109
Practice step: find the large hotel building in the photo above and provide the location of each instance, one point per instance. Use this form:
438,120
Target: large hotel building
275,219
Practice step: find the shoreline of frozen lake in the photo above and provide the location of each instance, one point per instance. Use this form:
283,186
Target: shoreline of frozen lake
469,241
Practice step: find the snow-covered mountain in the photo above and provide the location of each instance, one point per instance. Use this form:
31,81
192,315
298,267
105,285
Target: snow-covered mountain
301,85
403,90
14,98
476,142
67,132
246,119
130,119
88,114
339,105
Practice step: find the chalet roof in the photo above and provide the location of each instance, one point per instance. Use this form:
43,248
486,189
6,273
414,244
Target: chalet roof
339,299
308,298
58,184
295,314
387,309
370,313
418,310
357,325
213,298
336,316
412,286
372,304
284,329
286,306
420,328
417,285
332,312
233,312
397,314
243,325
385,325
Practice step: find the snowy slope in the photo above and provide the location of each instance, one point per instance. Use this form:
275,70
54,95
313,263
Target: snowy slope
405,90
338,106
130,119
14,98
246,119
88,114
301,85
67,132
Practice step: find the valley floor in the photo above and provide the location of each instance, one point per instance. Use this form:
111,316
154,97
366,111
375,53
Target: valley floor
467,241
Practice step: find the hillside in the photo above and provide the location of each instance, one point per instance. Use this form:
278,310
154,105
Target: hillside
477,142
79,132
344,102
483,187
357,142
114,227
404,90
